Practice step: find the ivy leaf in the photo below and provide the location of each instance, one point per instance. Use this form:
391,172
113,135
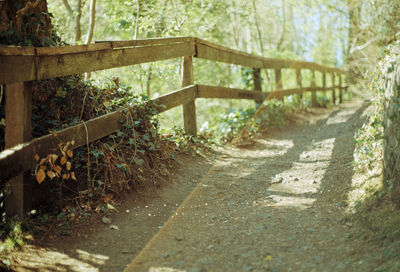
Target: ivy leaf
138,161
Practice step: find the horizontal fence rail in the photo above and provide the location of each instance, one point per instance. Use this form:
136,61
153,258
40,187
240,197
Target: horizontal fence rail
20,65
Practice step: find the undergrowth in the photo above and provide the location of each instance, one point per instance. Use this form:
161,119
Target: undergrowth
370,201
225,127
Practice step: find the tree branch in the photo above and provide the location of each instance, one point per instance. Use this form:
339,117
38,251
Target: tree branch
68,8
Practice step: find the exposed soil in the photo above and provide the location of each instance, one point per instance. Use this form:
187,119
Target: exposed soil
276,205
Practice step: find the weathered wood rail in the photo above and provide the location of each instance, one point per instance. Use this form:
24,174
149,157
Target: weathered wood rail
21,65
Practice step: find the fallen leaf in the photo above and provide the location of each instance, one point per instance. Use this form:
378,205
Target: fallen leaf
40,176
69,165
268,258
54,134
42,161
73,176
36,157
106,220
115,227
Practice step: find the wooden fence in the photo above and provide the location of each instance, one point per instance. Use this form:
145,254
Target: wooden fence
21,65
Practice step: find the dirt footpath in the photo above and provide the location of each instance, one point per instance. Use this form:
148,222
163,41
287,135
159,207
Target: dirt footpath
274,206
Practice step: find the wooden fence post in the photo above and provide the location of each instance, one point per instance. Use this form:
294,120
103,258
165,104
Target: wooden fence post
298,82
257,83
314,92
333,88
340,89
278,81
18,111
189,109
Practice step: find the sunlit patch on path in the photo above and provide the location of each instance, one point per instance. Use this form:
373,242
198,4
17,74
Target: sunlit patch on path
273,206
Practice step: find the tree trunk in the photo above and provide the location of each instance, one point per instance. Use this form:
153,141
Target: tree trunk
137,20
78,31
27,18
282,38
92,21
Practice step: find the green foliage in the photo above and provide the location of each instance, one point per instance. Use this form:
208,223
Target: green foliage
224,127
369,141
13,234
370,200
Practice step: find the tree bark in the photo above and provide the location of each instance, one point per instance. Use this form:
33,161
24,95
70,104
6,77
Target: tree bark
78,31
92,21
27,17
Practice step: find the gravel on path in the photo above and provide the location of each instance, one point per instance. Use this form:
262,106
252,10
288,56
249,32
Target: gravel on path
277,205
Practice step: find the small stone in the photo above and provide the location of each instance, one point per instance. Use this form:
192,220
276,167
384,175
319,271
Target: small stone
179,239
114,227
127,211
106,220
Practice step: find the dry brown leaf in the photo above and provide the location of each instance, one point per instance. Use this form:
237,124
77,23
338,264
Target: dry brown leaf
42,161
73,176
57,169
54,157
40,176
63,160
73,142
51,174
70,153
66,147
66,176
43,167
68,167
36,157
54,134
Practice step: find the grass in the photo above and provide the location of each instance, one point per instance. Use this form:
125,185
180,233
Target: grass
370,205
